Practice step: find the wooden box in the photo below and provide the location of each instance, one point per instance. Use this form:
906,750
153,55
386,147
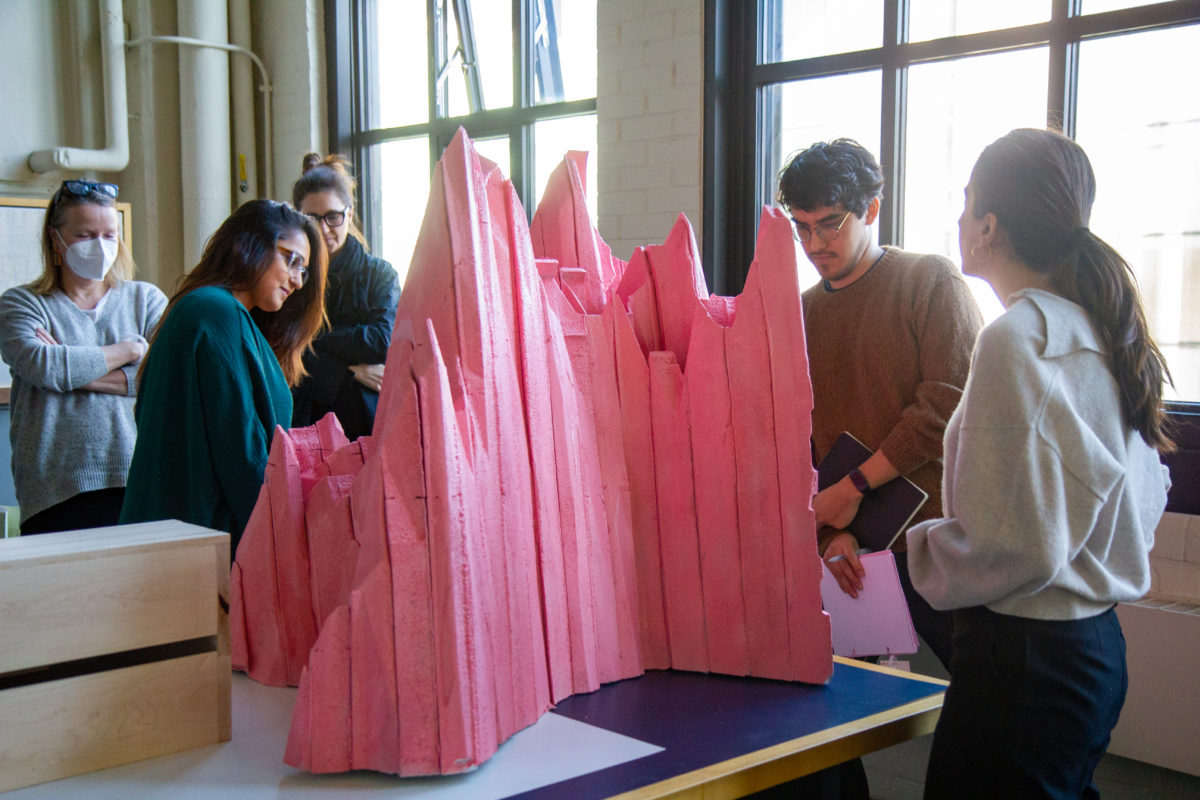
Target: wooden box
114,647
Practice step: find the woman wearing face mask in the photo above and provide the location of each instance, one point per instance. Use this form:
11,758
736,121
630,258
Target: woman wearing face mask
73,340
345,366
216,380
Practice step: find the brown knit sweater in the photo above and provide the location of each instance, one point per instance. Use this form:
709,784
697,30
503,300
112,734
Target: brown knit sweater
888,356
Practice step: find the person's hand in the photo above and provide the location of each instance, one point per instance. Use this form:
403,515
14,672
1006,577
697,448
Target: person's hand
841,558
369,375
44,336
129,351
137,347
836,505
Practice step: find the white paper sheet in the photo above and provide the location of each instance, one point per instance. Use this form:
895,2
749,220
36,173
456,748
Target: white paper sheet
251,766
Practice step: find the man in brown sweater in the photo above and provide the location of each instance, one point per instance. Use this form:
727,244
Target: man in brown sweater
890,335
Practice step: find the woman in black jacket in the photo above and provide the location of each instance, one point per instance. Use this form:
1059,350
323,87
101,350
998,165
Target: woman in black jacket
345,366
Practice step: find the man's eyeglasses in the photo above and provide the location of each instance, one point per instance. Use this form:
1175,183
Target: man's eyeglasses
333,219
827,231
85,188
295,263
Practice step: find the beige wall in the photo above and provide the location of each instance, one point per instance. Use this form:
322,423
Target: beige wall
53,96
650,108
650,104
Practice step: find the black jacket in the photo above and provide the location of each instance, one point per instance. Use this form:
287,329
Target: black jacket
360,301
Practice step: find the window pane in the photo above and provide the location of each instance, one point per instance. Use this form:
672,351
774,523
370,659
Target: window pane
496,149
1098,6
820,109
564,51
398,47
403,182
950,121
492,24
795,29
551,141
1143,150
933,19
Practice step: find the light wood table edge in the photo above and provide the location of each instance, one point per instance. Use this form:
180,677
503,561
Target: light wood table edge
912,676
771,766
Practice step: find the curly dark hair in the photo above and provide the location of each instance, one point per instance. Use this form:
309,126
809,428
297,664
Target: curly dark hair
841,173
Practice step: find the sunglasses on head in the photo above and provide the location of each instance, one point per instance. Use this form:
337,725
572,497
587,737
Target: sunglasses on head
86,188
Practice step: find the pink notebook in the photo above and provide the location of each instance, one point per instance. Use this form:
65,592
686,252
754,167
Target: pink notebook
875,623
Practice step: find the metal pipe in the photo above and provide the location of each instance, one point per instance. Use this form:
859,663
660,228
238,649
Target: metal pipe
242,86
115,155
265,87
204,143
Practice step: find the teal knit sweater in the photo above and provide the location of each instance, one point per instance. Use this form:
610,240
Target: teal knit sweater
210,398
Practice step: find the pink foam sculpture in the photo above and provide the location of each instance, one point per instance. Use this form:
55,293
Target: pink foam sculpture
580,469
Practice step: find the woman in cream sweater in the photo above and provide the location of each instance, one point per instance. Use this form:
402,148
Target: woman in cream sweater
1052,489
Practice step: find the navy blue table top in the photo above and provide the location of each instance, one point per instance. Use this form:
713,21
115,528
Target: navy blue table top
702,719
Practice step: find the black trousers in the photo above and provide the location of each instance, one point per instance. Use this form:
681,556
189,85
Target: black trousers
935,627
1030,706
85,510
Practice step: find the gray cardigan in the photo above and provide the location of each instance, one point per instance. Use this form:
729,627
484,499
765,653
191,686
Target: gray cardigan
1051,500
67,440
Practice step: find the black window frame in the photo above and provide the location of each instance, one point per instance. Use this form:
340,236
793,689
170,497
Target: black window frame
734,184
734,188
349,80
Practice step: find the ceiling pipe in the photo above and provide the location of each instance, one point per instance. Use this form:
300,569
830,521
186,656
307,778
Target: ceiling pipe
115,155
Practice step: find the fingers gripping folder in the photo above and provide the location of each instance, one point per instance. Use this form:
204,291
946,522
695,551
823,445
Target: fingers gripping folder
876,622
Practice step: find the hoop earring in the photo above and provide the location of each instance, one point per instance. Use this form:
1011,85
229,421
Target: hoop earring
977,257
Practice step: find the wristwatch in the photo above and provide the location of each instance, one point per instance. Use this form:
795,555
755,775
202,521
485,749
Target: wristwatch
859,480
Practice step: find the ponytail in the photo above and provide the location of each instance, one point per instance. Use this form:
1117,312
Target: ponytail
1040,185
1095,276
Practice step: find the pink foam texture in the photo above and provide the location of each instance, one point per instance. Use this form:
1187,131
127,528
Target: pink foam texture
581,468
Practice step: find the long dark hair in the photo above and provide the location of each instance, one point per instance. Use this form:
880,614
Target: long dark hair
241,252
1040,186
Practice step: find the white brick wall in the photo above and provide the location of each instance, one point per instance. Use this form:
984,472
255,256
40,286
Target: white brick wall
650,105
1175,560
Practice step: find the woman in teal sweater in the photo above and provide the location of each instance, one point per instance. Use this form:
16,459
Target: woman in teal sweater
216,380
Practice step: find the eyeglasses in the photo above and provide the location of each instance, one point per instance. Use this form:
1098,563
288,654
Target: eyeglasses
333,219
827,231
85,188
294,263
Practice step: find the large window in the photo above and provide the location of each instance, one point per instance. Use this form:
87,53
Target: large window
926,84
519,76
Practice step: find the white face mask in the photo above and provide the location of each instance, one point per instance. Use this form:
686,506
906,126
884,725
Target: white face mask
91,259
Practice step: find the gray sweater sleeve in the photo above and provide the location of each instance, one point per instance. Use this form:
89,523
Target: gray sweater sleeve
65,442
78,360
57,368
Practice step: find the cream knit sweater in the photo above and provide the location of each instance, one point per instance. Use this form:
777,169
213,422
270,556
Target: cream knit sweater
1051,500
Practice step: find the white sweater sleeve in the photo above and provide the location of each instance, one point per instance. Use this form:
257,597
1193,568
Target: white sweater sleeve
1023,484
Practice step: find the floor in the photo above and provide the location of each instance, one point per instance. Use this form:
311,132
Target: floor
898,773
